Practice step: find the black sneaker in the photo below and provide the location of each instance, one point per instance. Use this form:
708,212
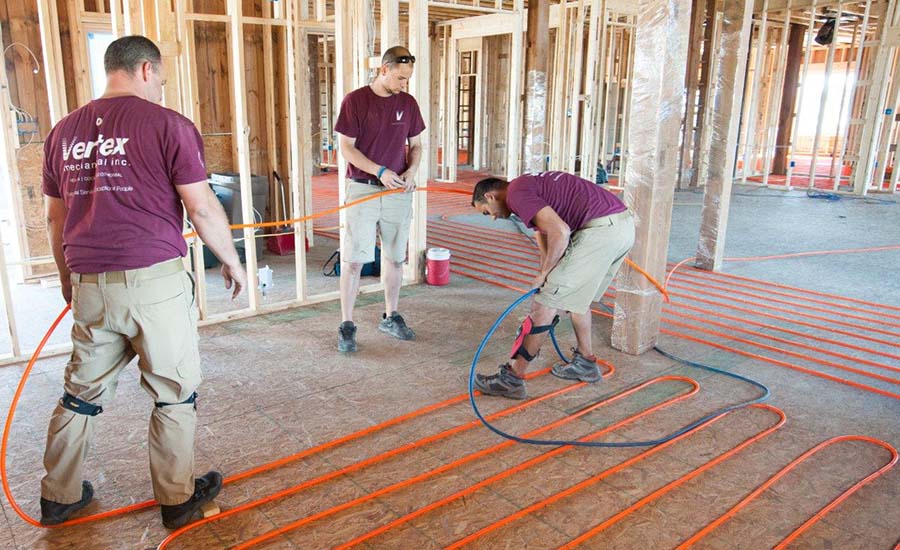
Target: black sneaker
347,337
396,327
53,513
205,489
502,384
580,368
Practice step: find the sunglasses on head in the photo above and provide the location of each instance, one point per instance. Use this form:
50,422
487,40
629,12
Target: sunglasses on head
404,59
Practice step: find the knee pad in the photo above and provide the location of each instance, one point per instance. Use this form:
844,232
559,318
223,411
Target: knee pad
79,406
525,329
192,400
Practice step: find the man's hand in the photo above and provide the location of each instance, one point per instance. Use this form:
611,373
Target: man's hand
235,276
66,289
409,177
391,180
539,281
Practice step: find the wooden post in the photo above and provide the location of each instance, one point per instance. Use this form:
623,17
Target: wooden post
762,47
115,18
700,154
859,33
598,150
7,156
241,138
588,159
451,115
875,101
478,147
661,35
271,138
774,106
729,76
79,52
573,113
419,45
788,98
538,44
296,160
628,74
390,24
807,53
190,103
829,66
52,53
513,140
301,166
884,140
691,86
434,120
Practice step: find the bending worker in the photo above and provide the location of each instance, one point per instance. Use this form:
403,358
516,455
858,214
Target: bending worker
584,233
116,173
375,124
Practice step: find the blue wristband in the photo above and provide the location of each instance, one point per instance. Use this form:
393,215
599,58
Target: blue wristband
381,171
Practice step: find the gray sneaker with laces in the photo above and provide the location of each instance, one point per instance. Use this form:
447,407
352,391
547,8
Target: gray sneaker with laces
347,337
396,327
580,368
503,384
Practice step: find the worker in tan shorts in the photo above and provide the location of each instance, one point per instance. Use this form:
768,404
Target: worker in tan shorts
584,233
376,123
116,173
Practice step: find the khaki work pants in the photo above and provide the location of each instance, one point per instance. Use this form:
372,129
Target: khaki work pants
148,313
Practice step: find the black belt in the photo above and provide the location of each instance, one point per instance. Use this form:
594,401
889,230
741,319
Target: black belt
367,181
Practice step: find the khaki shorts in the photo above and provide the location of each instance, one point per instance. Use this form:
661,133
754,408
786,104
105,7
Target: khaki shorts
389,214
589,264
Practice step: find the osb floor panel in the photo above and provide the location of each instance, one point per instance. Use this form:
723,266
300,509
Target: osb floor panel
274,386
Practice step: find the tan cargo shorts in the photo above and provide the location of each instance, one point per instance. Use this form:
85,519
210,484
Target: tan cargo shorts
388,215
589,264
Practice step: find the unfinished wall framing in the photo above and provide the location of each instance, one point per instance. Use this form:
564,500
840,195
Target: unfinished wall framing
816,115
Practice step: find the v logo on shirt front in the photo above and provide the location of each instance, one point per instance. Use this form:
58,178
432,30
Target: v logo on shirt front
399,115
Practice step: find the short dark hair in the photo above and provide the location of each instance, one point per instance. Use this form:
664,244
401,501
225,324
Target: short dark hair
397,54
129,52
486,186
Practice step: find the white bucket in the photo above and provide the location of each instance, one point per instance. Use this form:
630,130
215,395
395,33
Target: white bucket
437,254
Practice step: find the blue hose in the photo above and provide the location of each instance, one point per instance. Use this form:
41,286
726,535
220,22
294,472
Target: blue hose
557,443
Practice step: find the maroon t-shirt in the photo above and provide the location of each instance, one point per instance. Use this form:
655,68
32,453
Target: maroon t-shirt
576,200
381,126
115,163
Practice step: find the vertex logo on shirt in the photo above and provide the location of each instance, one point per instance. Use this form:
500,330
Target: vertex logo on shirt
80,150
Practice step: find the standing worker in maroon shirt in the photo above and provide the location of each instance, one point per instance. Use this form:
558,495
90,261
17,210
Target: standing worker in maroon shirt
584,233
116,173
375,123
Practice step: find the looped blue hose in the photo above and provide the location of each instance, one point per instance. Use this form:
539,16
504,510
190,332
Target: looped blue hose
558,443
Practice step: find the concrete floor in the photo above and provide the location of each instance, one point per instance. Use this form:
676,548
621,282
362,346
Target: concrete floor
275,387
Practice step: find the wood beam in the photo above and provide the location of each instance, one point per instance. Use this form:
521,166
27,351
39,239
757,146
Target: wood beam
731,66
538,49
513,140
660,59
788,98
54,77
691,86
420,88
390,23
762,50
876,96
804,77
591,93
7,156
241,138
